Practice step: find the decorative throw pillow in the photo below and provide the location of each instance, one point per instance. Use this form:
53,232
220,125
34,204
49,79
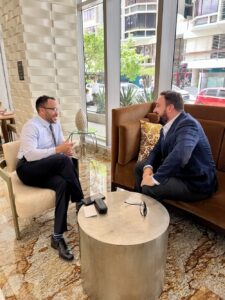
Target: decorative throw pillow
149,137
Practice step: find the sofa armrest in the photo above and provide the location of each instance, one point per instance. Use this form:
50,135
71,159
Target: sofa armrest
129,142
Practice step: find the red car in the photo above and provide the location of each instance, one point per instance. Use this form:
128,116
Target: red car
211,96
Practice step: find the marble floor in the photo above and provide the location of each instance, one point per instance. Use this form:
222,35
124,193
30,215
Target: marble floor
30,269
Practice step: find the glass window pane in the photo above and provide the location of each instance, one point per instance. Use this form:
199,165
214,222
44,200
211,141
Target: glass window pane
211,92
221,93
138,52
199,54
141,21
93,33
151,20
204,7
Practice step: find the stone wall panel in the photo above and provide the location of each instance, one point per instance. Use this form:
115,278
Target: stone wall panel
42,34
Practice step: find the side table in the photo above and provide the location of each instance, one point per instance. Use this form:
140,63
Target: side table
123,254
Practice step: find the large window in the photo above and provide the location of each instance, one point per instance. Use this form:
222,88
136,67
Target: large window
93,36
138,50
199,60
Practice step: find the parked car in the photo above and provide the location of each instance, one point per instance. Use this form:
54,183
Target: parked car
187,97
127,85
100,85
123,86
185,94
211,96
136,88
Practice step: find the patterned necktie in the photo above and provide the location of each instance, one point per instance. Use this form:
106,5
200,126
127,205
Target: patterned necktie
53,135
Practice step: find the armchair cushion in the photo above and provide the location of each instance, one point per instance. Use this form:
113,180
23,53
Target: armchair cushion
25,201
149,137
31,201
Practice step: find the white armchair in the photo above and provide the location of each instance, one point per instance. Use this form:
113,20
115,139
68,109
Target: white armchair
25,201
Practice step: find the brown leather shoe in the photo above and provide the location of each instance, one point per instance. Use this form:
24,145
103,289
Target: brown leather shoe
62,247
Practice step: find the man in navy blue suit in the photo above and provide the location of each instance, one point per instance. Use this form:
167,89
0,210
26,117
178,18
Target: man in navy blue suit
181,166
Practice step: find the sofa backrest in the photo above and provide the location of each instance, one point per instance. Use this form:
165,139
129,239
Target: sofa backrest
212,119
206,112
221,160
215,134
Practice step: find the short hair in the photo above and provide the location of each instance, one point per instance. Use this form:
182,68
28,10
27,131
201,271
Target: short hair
174,98
42,100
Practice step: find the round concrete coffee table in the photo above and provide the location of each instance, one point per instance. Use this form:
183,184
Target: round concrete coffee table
123,254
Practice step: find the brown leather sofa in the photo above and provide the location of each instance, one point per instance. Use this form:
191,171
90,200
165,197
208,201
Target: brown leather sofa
125,148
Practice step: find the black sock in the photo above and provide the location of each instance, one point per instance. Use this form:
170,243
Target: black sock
57,236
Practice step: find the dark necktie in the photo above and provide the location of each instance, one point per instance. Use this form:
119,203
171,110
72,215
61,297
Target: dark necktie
162,141
53,135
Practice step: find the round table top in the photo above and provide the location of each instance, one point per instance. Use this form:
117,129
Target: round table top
123,224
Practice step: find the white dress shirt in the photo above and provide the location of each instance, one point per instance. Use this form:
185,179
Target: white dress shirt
36,141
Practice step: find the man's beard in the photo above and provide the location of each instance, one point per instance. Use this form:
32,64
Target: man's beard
163,118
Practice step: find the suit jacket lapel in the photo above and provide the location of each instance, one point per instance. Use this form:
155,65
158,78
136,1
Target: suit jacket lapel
174,125
166,140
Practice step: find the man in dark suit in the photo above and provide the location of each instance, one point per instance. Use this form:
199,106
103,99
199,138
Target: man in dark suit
181,165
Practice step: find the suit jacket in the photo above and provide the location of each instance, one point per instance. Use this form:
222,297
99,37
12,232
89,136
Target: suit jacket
184,153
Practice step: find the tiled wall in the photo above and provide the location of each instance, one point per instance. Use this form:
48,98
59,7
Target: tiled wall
42,34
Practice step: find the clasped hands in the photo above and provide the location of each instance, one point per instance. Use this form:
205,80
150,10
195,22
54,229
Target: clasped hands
147,177
66,148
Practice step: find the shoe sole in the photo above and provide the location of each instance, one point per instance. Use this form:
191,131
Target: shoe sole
67,259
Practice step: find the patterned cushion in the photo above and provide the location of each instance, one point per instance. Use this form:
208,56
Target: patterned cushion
149,137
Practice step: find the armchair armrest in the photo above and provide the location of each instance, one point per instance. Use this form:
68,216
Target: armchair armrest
2,163
7,178
4,174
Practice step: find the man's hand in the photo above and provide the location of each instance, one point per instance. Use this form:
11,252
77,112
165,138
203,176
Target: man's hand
147,172
66,148
147,180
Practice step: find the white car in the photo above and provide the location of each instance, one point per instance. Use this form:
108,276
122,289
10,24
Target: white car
185,94
125,85
100,85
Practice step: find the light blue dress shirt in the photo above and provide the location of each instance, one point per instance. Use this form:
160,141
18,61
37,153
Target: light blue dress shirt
36,141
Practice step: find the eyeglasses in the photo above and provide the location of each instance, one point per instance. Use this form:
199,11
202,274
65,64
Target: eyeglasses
143,207
55,109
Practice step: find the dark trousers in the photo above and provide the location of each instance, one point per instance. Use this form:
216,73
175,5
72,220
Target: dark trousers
56,172
174,188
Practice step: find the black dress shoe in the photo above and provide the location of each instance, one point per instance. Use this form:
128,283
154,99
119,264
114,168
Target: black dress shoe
64,250
78,206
